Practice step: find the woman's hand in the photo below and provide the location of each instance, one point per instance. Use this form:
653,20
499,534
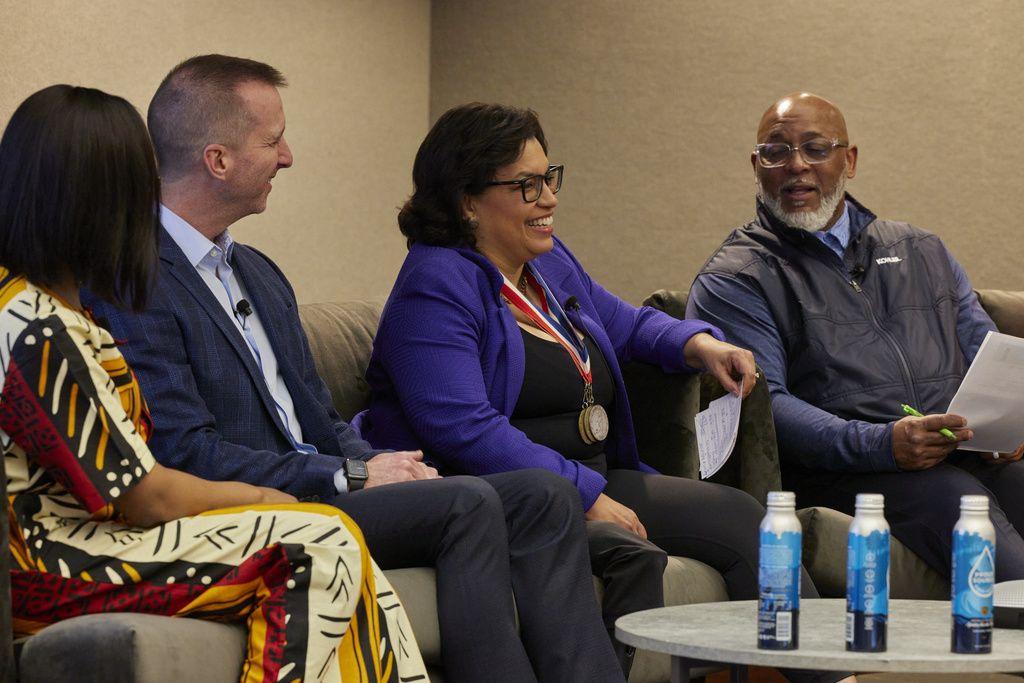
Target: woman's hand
607,509
727,363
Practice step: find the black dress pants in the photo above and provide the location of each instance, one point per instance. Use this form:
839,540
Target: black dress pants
632,570
922,507
489,538
715,524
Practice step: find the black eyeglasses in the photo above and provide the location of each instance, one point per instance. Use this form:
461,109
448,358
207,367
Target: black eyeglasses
533,186
816,151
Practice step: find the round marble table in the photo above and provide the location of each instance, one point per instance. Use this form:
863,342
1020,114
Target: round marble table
726,633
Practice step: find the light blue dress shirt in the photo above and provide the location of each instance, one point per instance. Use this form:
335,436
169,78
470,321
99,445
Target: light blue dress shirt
837,237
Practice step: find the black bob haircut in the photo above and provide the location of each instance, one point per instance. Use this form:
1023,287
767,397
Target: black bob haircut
78,194
457,159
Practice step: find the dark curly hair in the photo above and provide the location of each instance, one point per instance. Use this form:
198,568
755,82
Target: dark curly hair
458,158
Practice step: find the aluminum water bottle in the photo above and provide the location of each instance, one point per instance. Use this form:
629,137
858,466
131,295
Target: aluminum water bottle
778,606
974,569
867,576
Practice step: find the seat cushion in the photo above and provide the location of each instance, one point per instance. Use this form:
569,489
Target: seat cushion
115,648
127,648
824,556
417,589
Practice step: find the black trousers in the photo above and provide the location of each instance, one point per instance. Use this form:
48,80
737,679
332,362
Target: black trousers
632,570
489,538
922,507
712,523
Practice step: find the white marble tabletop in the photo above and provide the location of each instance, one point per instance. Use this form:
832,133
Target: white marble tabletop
726,632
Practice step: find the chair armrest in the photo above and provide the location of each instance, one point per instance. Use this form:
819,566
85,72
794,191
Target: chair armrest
664,406
7,665
754,464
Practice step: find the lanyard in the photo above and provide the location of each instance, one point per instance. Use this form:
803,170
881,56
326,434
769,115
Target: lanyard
551,319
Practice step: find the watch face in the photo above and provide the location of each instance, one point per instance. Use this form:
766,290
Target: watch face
355,469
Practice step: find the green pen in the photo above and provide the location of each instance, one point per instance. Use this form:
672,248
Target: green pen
914,413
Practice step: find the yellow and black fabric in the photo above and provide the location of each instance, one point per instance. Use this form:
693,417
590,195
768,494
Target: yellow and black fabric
73,430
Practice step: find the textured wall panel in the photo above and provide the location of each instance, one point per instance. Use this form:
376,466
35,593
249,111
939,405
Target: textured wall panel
356,107
653,108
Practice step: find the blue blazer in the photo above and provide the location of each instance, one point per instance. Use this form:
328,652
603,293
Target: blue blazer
448,363
213,415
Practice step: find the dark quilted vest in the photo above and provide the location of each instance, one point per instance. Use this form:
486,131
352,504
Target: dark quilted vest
862,335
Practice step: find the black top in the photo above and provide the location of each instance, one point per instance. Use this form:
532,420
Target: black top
548,409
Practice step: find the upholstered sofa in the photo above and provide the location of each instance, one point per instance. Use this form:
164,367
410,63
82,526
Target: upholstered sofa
128,647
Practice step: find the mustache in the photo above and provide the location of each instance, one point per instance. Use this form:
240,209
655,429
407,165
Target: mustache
790,184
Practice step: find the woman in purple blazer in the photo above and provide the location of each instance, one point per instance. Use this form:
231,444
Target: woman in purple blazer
497,351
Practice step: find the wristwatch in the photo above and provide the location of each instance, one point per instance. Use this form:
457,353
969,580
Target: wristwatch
356,474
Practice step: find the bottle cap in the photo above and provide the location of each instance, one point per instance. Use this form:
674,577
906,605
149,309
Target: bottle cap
973,503
781,499
870,501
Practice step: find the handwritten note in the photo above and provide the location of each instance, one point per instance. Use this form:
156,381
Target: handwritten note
716,429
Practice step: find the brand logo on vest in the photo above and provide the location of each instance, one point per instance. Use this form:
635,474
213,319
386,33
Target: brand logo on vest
888,259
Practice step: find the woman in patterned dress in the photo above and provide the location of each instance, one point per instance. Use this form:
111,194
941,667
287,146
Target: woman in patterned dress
96,524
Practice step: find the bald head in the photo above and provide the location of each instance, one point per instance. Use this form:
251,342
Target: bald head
803,106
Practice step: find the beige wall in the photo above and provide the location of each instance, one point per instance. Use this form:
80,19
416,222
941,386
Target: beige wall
357,107
653,106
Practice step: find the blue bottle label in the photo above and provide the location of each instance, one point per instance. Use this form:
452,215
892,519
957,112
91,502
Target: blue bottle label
867,591
974,561
779,590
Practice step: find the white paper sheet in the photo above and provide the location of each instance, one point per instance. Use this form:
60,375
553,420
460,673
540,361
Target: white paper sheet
991,396
716,429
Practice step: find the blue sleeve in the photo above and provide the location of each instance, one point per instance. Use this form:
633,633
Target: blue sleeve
643,333
185,435
430,344
808,435
972,322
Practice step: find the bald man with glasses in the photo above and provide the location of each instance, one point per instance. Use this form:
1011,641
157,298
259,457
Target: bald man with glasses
850,316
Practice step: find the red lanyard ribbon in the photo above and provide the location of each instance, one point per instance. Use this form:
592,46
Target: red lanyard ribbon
560,330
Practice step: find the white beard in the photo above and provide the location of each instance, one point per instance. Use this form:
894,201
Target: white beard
811,221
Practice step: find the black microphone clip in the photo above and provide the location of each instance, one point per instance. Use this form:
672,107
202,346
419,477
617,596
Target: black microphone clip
243,308
572,303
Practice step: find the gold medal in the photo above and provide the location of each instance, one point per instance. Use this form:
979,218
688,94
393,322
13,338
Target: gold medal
593,424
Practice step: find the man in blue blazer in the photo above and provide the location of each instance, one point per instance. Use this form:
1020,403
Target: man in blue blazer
234,394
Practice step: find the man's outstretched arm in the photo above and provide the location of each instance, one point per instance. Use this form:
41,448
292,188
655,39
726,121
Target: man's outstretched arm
812,437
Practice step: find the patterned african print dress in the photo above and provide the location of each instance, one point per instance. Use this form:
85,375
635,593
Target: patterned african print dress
73,431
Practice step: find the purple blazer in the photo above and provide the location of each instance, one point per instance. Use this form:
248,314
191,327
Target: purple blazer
448,361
